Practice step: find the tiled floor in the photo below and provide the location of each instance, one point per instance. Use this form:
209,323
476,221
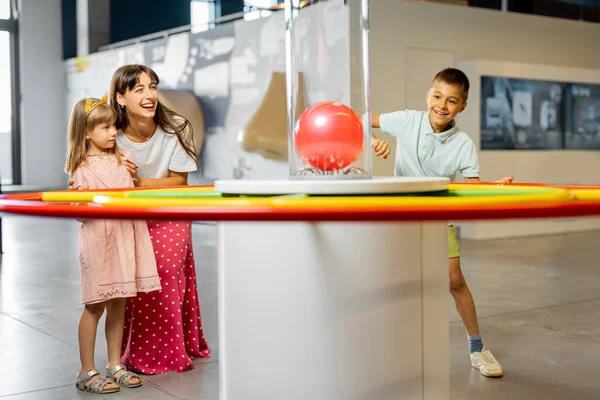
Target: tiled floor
538,300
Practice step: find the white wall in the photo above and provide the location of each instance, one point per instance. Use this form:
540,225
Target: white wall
551,166
404,33
554,167
229,69
5,157
42,74
412,41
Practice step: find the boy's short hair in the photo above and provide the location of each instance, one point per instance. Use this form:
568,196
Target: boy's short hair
453,76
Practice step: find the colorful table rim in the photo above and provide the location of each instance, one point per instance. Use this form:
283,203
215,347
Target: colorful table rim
201,203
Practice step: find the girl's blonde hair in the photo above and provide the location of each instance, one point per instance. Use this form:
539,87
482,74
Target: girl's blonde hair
83,121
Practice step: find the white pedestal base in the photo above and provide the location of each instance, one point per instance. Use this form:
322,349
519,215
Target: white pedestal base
333,311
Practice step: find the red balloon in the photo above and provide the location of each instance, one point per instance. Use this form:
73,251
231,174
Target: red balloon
328,136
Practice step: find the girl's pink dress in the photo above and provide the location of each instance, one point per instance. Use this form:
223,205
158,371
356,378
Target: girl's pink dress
116,257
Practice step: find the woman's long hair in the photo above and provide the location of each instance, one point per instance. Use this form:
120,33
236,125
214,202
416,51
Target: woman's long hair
124,79
80,124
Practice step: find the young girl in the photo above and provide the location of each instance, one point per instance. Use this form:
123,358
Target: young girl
116,257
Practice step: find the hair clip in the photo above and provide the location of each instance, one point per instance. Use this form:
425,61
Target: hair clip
91,104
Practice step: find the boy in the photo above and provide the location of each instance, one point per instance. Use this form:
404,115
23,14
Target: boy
430,144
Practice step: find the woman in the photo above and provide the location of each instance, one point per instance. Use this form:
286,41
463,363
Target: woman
163,330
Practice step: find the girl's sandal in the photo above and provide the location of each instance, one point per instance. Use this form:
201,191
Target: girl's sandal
124,378
97,386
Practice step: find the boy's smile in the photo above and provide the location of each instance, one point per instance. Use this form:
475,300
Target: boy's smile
444,102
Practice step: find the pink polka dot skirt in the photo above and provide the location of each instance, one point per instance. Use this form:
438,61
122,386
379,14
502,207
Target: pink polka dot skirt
163,330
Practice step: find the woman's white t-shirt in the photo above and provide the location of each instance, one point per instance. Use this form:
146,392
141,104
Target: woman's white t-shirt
159,155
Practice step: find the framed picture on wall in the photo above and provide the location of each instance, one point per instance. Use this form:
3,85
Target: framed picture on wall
582,113
521,114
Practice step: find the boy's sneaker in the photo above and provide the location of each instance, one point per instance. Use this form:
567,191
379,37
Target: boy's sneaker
485,362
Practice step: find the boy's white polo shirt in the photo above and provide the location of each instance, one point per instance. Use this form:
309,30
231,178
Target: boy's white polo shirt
422,152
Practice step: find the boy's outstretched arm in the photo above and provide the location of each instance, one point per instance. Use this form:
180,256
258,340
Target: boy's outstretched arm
375,121
380,146
506,179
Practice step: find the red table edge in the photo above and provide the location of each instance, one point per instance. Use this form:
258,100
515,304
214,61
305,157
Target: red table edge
529,210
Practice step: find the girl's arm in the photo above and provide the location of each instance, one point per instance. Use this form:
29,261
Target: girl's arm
78,182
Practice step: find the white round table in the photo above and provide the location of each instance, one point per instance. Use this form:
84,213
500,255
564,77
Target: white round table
333,310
